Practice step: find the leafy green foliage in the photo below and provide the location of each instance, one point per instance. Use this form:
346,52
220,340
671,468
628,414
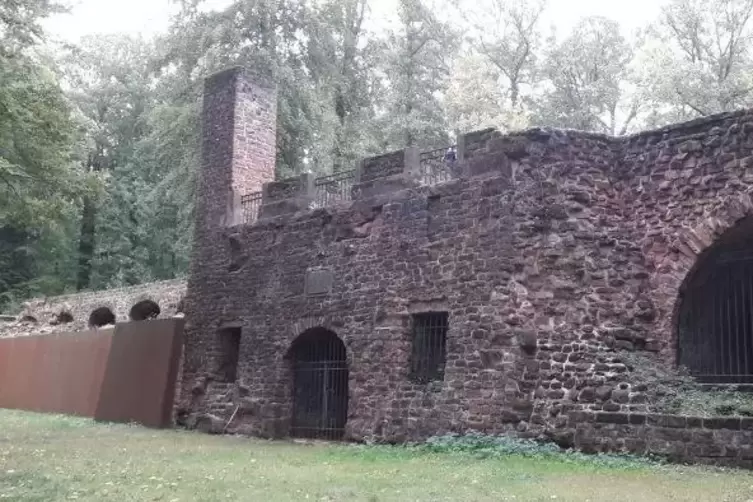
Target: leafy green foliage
39,180
19,23
417,59
675,392
585,77
487,446
97,184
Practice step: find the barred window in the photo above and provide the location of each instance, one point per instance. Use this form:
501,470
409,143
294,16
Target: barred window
230,345
429,346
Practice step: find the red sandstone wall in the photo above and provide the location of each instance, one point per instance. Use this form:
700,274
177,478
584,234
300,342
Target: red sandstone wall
507,254
576,241
683,187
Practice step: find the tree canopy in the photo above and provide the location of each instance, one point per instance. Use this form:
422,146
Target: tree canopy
99,139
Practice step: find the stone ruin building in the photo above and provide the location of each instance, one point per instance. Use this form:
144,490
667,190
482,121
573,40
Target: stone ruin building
498,289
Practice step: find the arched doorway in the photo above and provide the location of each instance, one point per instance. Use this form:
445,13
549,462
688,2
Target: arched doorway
715,317
320,385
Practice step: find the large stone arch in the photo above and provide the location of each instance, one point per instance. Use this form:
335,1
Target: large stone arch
732,219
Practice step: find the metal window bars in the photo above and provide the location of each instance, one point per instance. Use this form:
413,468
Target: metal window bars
429,347
436,165
251,204
334,188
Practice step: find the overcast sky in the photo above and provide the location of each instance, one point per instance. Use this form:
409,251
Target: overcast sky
152,16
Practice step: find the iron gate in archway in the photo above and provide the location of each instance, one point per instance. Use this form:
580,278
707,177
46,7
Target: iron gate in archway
320,385
715,327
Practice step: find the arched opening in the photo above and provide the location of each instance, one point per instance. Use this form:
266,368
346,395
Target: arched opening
320,385
64,317
102,316
715,316
144,310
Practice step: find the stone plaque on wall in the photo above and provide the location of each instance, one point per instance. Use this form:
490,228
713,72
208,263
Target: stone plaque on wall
318,281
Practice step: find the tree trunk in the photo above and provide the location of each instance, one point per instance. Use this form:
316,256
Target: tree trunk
86,244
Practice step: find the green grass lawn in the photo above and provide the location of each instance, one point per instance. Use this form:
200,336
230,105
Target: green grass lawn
45,457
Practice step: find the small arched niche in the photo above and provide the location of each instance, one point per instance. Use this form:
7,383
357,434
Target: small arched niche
102,316
63,317
144,311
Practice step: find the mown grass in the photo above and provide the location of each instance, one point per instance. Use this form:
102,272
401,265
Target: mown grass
44,457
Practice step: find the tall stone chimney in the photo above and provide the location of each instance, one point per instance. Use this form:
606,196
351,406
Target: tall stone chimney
239,122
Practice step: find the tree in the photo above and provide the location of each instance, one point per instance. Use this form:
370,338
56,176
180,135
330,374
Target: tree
474,99
506,33
38,178
267,37
341,58
586,80
416,67
110,84
19,23
698,58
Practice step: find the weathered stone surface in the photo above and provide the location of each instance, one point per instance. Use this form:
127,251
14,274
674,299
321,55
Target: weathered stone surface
71,313
579,242
208,423
557,237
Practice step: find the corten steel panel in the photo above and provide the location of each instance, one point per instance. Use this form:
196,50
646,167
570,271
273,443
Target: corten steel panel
139,383
60,373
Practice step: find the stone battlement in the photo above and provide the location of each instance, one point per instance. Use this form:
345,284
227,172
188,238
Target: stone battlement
623,160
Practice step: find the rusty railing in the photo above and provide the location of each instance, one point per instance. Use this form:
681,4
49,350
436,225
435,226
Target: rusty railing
436,165
334,188
251,204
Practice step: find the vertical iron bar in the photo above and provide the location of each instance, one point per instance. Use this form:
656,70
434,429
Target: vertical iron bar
749,324
728,298
725,315
739,318
714,332
696,321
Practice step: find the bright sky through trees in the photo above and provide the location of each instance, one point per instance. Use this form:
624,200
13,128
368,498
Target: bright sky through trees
152,16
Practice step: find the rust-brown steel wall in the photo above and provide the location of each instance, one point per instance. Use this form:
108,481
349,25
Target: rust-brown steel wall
127,374
59,373
139,383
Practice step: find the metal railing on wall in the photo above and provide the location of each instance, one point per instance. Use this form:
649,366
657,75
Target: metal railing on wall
334,188
436,165
251,204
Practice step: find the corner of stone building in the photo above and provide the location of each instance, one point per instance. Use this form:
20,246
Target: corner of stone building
238,143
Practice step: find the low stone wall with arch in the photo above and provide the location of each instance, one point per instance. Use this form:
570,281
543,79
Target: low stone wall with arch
97,309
